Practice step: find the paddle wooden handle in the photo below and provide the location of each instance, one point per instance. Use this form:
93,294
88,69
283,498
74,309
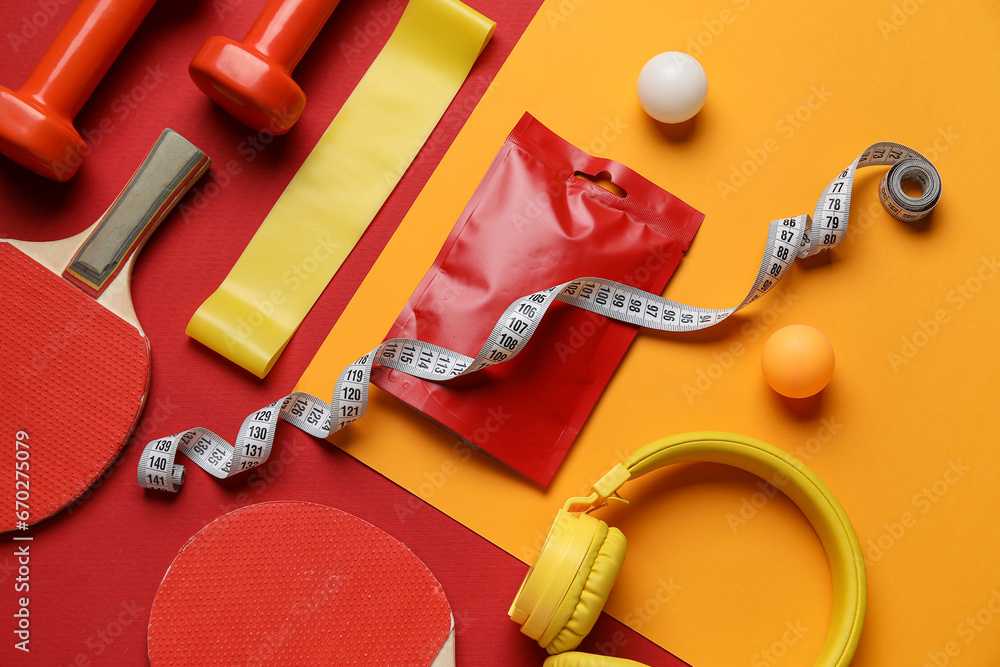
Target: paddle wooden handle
169,170
36,122
252,79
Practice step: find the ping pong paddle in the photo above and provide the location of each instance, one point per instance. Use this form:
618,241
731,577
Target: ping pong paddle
296,583
75,361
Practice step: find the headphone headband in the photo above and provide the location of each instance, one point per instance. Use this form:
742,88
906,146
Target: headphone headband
807,491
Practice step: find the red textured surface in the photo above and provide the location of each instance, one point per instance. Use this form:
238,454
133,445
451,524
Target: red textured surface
75,377
297,584
96,566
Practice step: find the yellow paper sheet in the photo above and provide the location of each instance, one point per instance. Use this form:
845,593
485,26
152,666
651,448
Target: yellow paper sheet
720,572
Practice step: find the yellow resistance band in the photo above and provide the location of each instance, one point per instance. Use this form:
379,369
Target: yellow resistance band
342,184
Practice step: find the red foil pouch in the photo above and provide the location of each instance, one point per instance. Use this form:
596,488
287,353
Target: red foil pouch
535,221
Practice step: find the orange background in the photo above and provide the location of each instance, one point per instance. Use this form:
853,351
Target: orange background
719,572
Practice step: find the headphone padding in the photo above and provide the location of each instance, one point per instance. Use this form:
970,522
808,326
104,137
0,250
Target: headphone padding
589,591
577,659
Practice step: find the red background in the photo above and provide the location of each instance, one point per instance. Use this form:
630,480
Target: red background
95,567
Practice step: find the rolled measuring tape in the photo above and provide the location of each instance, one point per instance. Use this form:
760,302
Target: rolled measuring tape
787,239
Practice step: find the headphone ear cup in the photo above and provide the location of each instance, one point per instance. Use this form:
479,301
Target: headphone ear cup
577,659
589,591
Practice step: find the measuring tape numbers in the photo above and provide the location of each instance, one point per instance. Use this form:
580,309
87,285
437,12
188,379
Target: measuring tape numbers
787,239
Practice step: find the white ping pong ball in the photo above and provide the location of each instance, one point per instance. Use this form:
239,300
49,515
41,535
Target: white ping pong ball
672,87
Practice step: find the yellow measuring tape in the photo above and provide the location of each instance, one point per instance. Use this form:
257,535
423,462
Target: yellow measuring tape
343,183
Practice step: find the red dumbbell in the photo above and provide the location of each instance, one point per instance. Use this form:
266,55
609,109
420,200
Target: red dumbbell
36,122
252,79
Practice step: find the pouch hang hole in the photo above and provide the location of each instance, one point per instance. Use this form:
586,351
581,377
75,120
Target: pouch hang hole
602,179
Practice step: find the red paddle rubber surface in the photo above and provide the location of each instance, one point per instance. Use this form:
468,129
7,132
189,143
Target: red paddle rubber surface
295,583
73,379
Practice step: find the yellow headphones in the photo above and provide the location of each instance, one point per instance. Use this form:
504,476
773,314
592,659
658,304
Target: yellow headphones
567,586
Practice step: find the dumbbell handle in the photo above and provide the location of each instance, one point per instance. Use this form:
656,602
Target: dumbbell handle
82,52
285,29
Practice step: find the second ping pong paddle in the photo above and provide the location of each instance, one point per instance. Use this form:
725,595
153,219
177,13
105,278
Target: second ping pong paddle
296,583
73,358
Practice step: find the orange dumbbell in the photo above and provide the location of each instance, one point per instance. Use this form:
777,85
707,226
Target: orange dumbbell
36,122
252,79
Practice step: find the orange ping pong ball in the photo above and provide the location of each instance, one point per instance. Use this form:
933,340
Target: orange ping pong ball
797,361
